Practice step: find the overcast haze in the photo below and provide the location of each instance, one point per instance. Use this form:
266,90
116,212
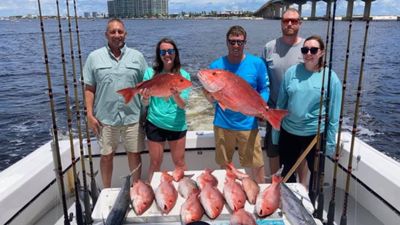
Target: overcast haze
25,7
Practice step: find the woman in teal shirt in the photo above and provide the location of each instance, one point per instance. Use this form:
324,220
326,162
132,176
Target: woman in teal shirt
166,118
300,94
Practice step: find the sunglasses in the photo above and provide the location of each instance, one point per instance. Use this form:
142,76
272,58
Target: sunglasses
312,50
238,42
170,51
292,21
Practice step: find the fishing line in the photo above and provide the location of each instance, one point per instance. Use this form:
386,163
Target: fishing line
55,144
331,210
320,209
94,191
86,200
343,219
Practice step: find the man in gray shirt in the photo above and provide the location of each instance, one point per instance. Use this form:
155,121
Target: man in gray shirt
280,54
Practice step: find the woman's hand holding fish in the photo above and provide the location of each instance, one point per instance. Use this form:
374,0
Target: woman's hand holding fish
177,98
145,95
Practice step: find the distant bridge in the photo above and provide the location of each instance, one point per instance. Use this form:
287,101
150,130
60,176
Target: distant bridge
273,9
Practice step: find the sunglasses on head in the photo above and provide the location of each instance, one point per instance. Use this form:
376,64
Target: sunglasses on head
292,21
170,51
312,50
238,42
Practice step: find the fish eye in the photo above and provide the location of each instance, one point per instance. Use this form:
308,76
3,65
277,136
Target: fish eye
181,80
214,73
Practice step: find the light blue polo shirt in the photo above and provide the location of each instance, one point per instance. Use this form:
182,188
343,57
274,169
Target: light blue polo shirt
108,75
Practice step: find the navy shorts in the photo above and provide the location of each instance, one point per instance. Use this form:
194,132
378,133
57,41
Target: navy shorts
154,133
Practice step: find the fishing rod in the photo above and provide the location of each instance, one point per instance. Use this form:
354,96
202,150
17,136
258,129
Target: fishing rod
94,191
320,209
314,187
55,144
343,219
86,200
331,210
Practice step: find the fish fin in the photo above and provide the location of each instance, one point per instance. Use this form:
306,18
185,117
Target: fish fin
128,94
275,116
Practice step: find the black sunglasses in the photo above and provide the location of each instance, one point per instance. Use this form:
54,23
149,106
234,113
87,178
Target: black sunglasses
238,42
312,50
292,21
170,51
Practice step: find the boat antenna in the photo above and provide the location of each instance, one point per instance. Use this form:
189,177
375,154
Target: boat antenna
86,200
314,183
343,219
331,210
55,144
94,191
320,209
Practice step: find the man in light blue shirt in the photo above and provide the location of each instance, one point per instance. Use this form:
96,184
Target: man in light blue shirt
106,71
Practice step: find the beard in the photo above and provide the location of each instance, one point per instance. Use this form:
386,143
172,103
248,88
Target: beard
290,32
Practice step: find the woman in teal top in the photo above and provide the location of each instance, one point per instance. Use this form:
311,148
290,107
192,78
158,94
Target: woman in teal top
300,94
166,118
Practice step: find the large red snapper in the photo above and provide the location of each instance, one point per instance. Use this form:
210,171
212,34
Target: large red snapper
142,197
212,200
234,93
233,192
191,209
162,85
242,217
166,194
268,200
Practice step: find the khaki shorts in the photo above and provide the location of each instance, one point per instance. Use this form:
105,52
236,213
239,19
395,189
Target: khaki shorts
248,144
132,136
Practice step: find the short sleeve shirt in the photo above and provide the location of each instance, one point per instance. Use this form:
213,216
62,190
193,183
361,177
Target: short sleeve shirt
108,75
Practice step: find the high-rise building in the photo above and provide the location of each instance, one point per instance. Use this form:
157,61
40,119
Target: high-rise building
137,8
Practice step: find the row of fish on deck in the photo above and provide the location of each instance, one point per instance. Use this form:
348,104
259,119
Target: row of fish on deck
203,197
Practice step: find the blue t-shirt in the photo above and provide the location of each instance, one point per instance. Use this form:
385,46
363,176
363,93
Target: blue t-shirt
253,70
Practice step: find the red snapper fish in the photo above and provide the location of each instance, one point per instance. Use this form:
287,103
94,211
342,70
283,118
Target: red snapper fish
186,186
233,192
268,200
234,93
191,209
242,217
212,200
250,187
206,177
166,194
142,197
161,85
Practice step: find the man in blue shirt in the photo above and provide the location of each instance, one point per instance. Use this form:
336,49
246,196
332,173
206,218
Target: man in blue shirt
107,70
233,129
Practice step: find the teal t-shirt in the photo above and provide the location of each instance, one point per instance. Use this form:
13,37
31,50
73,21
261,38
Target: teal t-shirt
300,94
108,75
165,113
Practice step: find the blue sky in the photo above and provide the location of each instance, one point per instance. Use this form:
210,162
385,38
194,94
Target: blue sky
24,7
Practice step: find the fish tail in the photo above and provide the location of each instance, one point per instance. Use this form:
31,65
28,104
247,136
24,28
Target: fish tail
128,94
275,116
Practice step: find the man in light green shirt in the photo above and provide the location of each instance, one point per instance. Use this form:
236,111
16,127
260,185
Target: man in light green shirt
106,71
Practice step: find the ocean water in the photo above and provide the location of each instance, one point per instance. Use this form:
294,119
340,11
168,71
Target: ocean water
25,118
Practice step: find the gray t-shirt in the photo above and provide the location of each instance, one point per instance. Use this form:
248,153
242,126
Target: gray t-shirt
279,56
